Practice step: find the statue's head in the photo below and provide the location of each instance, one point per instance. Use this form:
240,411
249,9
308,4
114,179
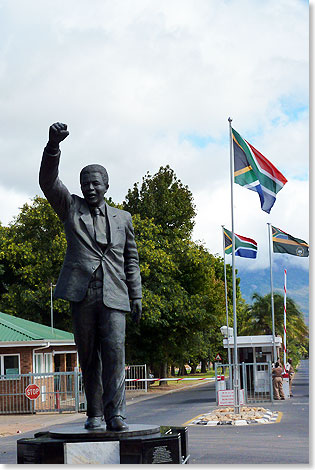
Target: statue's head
94,184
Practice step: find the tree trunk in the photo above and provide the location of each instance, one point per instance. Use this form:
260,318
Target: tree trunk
163,373
203,366
182,370
193,368
173,370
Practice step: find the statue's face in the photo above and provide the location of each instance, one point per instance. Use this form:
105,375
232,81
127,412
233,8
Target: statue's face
93,188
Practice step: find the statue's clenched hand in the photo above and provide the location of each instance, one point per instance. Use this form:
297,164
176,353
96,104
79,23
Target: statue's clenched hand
57,133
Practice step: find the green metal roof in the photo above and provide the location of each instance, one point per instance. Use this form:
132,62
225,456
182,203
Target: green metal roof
14,329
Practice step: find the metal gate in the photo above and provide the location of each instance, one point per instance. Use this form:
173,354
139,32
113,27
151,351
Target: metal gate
59,391
255,379
133,375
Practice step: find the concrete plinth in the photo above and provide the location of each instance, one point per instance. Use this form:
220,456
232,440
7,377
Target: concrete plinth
142,444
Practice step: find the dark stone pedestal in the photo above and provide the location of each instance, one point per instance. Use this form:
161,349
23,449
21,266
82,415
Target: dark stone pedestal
140,444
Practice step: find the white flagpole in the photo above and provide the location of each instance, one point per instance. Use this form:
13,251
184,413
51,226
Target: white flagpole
272,300
226,304
285,321
236,367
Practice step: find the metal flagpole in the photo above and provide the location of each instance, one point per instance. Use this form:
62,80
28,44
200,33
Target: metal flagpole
272,301
285,321
226,307
236,367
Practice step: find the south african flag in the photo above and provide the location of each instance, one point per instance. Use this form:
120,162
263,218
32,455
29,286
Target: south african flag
244,247
253,171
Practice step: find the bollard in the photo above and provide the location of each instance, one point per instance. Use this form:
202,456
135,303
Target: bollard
57,400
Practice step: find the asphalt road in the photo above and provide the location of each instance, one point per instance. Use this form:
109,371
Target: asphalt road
286,442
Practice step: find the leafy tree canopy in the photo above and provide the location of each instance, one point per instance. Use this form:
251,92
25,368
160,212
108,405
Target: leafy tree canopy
163,198
259,322
183,283
32,249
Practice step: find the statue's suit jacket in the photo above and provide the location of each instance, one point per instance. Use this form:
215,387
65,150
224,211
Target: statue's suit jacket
120,262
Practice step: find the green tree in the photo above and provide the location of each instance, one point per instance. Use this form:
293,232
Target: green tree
31,254
183,283
183,302
259,322
163,198
163,298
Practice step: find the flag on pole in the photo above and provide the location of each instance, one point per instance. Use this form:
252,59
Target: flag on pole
244,247
253,171
285,243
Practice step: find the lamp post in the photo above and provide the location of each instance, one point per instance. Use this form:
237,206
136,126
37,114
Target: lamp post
51,307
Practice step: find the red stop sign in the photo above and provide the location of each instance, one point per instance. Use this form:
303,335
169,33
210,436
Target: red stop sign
32,391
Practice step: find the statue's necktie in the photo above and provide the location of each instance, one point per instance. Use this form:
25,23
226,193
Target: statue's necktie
99,227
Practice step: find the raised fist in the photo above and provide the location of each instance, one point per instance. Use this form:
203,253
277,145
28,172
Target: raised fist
57,133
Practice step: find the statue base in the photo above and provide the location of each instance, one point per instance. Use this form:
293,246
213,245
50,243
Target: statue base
140,444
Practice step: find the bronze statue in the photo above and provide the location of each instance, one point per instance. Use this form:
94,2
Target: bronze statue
100,277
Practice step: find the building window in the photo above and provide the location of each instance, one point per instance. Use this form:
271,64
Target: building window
48,362
38,363
43,363
9,364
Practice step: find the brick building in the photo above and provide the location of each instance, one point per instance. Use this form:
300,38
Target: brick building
25,347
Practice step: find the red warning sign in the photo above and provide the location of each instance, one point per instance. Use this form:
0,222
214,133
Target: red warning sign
32,391
218,357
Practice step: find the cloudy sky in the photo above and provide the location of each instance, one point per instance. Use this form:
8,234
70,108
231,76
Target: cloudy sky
145,83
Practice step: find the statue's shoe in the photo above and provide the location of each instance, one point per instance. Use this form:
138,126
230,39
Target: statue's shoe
116,424
94,422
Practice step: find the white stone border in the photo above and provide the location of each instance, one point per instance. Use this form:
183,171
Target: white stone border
268,417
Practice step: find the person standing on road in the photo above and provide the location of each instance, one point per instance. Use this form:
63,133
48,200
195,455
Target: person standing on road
290,371
277,382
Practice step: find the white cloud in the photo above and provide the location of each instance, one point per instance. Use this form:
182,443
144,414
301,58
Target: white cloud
131,78
11,203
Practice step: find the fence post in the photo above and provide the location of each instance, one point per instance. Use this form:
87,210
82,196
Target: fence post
31,380
244,381
145,376
76,390
216,384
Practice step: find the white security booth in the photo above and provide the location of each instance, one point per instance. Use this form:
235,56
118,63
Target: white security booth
255,356
253,348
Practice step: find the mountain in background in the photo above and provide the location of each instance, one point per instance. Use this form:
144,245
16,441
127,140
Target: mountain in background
259,281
